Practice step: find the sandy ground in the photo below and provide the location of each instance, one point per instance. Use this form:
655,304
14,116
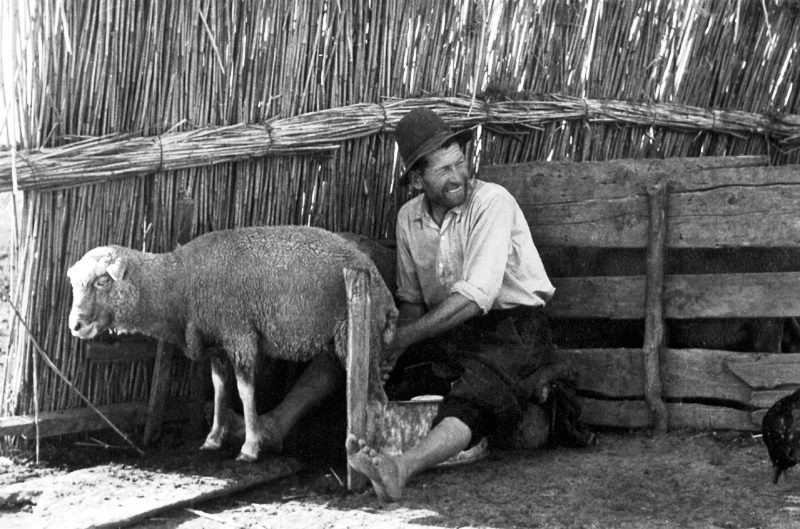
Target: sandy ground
681,480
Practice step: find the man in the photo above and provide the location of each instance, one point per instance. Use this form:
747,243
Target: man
471,287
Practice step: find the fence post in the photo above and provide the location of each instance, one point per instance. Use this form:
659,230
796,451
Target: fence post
162,366
654,313
358,352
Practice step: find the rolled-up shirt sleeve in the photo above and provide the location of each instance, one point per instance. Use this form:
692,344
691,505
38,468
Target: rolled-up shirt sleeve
487,250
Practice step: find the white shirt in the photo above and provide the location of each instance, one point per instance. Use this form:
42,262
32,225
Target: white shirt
483,251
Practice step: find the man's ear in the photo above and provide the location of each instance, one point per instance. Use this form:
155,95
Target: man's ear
415,179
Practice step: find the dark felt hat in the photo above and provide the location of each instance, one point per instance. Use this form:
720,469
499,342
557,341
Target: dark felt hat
421,132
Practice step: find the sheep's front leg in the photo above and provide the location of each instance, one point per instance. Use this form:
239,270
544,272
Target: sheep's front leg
244,354
194,350
219,425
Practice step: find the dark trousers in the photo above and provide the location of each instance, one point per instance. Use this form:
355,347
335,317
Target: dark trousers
479,367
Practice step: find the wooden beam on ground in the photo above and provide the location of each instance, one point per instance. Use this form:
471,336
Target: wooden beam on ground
654,318
358,353
107,496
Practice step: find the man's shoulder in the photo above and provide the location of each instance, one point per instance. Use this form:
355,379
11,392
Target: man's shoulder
411,206
486,192
411,209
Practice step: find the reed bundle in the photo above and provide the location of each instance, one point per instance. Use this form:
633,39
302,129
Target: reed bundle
108,157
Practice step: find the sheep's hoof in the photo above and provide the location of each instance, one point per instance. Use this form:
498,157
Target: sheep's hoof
246,458
210,445
214,440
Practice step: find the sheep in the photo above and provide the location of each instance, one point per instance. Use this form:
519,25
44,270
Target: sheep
276,291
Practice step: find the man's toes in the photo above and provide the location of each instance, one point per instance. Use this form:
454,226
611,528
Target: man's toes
351,444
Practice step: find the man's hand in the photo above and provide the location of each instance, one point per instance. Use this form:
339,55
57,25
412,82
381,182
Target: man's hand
391,353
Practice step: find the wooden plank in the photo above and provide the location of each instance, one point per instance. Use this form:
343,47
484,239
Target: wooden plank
358,353
702,373
613,223
720,217
685,296
736,216
553,182
615,413
614,373
125,416
733,295
620,297
635,414
121,351
703,417
114,495
768,372
159,389
767,397
654,302
685,373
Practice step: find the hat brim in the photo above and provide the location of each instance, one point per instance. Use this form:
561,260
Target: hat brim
463,137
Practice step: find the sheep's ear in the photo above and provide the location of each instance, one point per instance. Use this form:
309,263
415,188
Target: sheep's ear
116,268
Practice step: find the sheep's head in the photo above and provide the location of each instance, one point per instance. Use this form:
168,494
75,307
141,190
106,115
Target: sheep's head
99,291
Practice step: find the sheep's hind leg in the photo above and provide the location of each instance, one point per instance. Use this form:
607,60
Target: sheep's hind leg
244,355
219,427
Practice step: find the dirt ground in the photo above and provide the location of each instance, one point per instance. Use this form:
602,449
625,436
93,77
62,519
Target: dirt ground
631,479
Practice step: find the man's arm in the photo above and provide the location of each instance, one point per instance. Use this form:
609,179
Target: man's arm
453,311
415,325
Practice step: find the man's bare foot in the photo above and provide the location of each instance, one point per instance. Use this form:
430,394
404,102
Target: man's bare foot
382,470
270,437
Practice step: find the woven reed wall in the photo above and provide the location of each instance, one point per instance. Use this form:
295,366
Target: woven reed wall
148,68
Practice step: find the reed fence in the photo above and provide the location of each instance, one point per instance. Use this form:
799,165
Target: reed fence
281,112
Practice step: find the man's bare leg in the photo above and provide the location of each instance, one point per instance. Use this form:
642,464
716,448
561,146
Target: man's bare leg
319,380
389,474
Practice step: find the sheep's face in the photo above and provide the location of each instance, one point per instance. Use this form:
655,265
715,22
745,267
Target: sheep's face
96,291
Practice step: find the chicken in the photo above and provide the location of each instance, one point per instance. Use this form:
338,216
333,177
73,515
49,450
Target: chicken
781,433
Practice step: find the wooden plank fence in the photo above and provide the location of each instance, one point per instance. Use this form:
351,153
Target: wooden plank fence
711,203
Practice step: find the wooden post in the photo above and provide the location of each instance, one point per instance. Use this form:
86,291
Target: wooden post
654,316
162,367
159,387
358,352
